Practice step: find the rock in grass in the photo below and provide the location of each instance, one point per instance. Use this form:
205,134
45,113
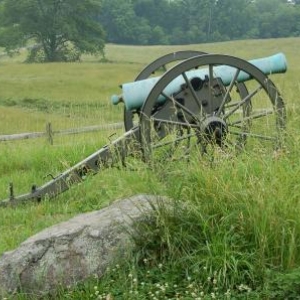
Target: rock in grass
75,250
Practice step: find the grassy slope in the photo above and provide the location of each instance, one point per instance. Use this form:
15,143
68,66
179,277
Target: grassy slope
256,188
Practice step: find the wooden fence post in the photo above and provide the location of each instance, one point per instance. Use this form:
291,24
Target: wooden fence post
49,133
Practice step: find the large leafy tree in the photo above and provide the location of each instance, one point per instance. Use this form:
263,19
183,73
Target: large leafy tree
59,30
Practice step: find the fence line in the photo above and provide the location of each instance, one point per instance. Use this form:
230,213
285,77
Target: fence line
49,133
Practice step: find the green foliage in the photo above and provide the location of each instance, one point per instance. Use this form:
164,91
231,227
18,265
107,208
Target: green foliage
59,30
284,285
63,30
197,21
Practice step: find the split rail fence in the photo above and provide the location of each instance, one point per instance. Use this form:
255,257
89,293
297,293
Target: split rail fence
49,133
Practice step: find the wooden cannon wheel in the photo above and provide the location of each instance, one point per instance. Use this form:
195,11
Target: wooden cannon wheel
207,113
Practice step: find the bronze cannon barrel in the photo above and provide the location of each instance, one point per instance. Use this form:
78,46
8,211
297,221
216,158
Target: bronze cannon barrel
134,94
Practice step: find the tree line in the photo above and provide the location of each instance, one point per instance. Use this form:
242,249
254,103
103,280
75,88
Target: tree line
145,22
62,30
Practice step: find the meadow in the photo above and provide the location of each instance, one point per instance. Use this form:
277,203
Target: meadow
238,237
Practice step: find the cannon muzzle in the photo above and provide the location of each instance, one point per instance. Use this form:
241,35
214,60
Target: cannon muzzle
134,94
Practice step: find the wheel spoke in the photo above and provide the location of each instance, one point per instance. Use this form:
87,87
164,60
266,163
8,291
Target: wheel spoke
189,85
229,89
254,135
256,116
210,88
185,109
232,104
175,123
242,102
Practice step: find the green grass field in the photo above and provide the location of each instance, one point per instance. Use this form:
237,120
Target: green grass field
245,209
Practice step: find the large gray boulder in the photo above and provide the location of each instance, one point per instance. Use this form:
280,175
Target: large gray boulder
74,250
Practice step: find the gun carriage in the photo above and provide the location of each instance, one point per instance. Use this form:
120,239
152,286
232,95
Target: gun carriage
202,102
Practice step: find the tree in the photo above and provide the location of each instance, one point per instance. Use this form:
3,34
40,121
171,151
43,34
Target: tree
197,19
60,30
119,21
233,18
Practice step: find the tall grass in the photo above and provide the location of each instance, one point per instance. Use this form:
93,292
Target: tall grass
233,229
231,232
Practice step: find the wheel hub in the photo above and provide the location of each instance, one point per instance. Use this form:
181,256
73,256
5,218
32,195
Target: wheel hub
214,130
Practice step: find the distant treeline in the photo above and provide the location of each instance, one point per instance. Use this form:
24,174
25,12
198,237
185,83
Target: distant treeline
149,22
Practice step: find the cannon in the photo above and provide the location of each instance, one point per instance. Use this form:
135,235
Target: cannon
199,102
